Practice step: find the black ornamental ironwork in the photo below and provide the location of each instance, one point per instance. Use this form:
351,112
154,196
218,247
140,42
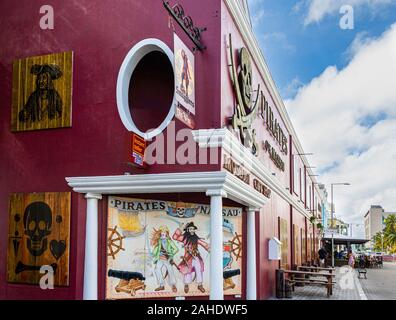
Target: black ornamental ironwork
186,23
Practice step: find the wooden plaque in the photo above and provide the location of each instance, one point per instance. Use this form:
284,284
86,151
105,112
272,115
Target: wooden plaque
39,234
284,238
42,92
303,246
297,245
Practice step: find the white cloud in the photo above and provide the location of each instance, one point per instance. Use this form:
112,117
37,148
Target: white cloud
257,16
281,39
292,88
318,9
328,114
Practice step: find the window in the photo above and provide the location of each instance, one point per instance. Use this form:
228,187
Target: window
147,58
295,174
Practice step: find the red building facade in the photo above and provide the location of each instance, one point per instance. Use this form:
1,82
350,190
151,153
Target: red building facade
89,159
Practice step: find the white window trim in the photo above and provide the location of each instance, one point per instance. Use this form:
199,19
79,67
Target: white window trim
132,59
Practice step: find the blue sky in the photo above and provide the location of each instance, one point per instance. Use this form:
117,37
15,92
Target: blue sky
296,52
339,89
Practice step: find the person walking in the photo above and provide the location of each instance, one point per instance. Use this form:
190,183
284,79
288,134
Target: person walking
322,256
351,259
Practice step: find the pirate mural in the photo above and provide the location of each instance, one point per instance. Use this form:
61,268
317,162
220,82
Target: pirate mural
192,264
164,249
39,236
42,88
168,253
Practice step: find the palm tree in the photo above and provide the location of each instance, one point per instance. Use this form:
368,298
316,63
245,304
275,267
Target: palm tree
390,233
377,241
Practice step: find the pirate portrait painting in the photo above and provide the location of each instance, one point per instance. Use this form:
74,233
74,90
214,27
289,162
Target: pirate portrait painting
42,92
184,76
45,102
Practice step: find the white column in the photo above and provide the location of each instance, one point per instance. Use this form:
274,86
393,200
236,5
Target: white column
251,287
216,244
91,248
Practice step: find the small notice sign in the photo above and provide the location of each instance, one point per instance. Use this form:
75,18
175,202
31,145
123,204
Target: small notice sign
138,149
184,116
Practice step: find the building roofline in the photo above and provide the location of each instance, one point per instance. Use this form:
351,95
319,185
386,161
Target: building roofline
242,22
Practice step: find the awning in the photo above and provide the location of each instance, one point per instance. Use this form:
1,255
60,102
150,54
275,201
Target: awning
343,240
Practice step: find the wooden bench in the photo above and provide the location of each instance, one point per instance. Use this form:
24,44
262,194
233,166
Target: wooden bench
326,281
313,268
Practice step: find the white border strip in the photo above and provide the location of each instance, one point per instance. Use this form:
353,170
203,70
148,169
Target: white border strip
359,288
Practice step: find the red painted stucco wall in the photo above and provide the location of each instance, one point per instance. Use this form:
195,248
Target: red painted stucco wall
100,33
267,219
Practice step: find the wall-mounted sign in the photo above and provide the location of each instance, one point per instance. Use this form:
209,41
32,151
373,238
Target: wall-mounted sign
260,187
184,116
138,150
42,92
247,107
236,169
274,156
160,249
241,173
39,235
186,23
272,124
184,75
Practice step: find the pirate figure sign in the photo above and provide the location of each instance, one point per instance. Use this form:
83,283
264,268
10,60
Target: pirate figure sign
45,102
164,249
246,108
192,261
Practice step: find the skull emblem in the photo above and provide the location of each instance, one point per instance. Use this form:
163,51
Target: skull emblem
37,221
245,77
180,212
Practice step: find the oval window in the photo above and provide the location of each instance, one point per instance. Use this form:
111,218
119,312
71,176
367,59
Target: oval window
145,88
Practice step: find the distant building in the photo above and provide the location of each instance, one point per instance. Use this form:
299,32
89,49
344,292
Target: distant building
325,207
374,221
341,227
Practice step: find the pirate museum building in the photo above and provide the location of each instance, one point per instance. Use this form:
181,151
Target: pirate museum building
145,154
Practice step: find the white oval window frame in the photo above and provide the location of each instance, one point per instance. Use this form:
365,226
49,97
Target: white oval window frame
134,56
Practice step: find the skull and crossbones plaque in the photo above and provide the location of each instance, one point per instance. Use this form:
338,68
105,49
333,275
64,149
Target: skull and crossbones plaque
247,106
39,232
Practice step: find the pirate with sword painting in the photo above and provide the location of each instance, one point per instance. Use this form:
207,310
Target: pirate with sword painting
192,261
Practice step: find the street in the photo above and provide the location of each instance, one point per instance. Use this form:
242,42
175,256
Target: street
380,283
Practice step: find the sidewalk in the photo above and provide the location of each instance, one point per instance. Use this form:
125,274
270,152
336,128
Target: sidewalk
380,283
348,287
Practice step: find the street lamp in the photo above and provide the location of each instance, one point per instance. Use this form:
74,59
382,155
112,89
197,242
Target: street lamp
332,218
